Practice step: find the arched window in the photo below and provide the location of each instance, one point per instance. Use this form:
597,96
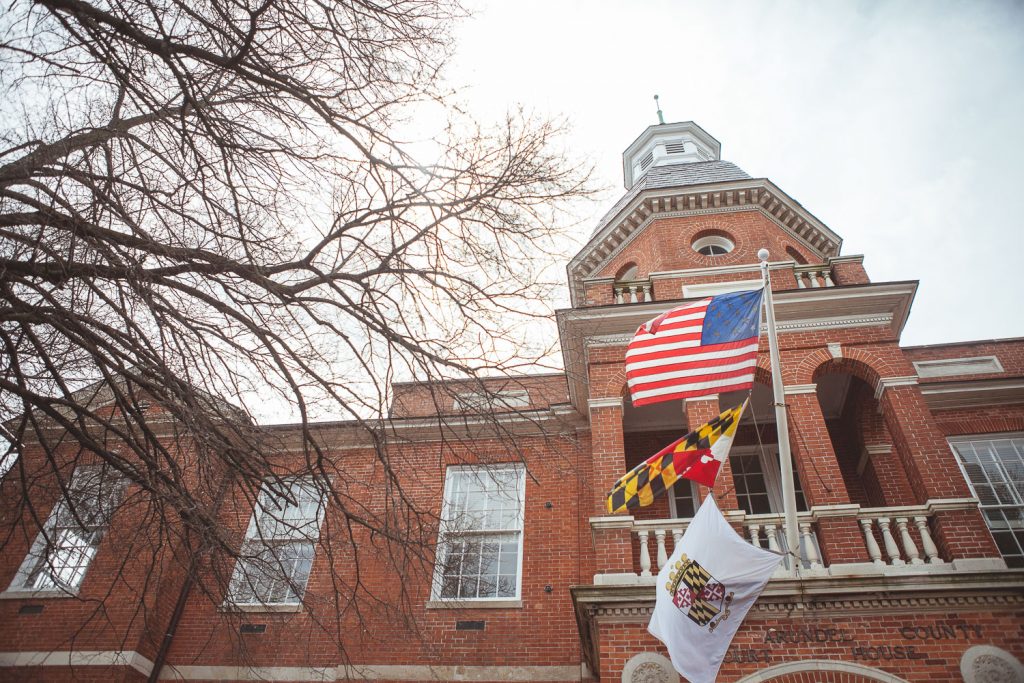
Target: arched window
713,245
627,272
796,255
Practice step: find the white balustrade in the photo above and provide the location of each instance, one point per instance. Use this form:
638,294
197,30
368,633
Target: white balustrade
645,553
874,552
659,534
901,548
927,544
632,292
908,543
810,277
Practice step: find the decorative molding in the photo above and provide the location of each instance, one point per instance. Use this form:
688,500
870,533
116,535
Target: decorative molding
836,323
474,604
800,389
367,672
971,393
887,382
990,664
835,349
648,667
952,367
611,402
702,289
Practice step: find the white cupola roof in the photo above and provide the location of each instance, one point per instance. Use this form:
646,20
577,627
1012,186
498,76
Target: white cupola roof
668,144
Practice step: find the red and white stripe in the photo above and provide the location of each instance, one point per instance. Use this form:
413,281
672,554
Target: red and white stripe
666,361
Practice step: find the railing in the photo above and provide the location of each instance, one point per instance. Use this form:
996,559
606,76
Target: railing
761,530
902,520
896,539
632,292
808,277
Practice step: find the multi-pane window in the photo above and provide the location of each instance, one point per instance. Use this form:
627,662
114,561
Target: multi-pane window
684,499
61,554
759,484
480,545
995,470
277,554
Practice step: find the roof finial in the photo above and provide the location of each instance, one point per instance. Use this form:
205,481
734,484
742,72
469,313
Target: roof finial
661,117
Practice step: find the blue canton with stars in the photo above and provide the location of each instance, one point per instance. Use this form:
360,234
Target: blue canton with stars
732,317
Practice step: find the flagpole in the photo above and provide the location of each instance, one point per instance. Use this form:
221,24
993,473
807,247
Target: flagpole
781,421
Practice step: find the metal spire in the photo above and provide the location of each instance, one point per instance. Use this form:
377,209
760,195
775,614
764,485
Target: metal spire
661,117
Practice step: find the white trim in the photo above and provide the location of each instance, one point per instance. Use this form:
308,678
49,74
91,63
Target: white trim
969,669
835,349
821,665
714,288
887,382
719,241
800,389
404,672
951,367
436,581
475,603
614,402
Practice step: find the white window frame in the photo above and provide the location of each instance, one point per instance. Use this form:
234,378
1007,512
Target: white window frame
267,530
714,241
694,491
444,536
1017,496
32,567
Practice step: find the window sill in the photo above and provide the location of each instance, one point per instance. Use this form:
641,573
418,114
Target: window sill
258,607
475,604
17,594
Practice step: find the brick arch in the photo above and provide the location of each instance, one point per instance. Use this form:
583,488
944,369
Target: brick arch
860,363
612,386
821,671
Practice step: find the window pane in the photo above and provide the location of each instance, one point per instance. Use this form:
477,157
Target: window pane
995,470
478,548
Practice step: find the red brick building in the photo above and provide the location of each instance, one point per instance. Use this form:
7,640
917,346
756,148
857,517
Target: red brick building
910,467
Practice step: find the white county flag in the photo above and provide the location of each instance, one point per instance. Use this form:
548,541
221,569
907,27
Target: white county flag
704,592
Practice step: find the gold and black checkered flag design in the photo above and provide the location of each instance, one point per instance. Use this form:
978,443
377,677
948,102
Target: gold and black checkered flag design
696,578
651,478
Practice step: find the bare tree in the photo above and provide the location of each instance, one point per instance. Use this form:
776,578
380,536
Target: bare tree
207,208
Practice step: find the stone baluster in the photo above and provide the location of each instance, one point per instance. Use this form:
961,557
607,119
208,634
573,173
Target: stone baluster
891,549
827,276
773,540
755,534
908,542
930,551
800,280
645,554
814,279
659,535
677,536
647,293
632,294
810,548
874,552
618,294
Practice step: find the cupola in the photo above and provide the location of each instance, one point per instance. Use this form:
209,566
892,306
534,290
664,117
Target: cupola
668,144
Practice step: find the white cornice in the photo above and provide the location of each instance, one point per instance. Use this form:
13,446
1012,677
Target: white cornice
888,382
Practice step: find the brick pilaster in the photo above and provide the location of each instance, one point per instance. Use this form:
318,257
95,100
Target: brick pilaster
815,459
697,413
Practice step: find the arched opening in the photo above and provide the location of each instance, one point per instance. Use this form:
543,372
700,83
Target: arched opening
865,452
796,256
627,273
821,671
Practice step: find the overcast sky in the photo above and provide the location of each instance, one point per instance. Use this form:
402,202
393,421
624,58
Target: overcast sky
896,124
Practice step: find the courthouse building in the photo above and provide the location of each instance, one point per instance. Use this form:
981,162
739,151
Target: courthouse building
909,464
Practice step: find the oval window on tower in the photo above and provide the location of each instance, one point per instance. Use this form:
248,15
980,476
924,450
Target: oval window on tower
713,245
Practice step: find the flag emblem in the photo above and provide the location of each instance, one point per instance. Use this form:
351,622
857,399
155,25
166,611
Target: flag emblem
698,349
697,593
697,456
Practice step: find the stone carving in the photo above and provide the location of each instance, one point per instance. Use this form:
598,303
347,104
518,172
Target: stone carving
648,667
988,664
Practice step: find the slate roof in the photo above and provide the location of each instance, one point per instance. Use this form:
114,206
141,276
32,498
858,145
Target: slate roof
676,175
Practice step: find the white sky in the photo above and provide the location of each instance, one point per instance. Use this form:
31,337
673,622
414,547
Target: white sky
896,124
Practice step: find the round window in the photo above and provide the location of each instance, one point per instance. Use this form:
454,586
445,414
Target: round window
713,245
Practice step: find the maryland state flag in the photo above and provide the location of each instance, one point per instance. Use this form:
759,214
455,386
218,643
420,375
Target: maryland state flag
697,456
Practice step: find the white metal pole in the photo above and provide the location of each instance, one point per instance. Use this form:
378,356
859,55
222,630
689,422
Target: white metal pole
781,421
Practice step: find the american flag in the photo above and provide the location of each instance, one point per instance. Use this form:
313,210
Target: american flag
696,350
